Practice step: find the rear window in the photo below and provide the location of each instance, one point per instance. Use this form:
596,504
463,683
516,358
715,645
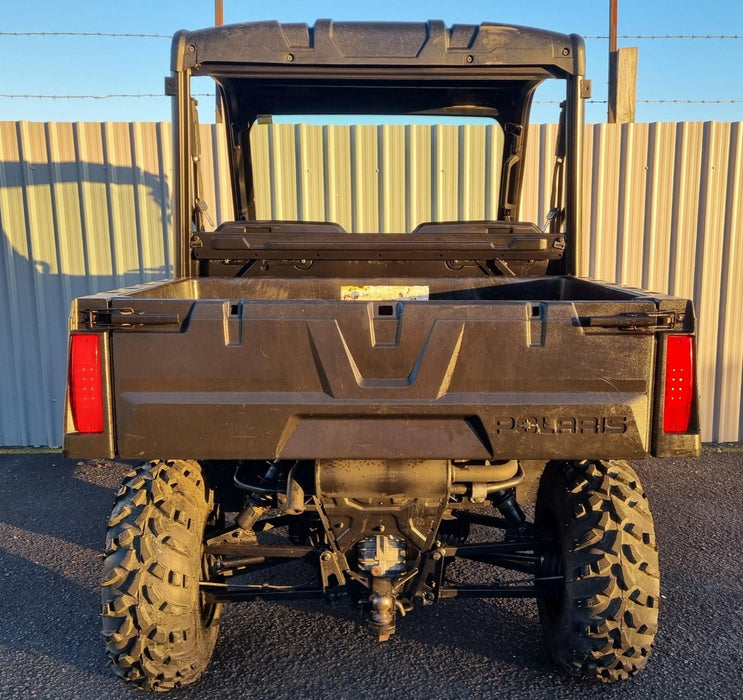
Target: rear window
377,174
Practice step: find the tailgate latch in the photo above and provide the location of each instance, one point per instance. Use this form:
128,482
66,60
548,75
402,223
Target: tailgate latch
104,319
643,322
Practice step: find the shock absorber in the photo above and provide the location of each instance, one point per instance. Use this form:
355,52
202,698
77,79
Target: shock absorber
259,499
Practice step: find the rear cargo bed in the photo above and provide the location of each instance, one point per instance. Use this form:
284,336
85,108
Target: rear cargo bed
485,368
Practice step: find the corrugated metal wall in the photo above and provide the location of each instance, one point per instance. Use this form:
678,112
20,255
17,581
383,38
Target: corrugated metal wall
86,207
378,178
83,208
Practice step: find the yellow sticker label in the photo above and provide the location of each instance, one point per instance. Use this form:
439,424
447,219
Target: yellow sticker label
384,292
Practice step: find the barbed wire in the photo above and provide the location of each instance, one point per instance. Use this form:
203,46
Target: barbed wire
653,37
120,95
695,102
147,95
115,35
135,35
658,101
143,95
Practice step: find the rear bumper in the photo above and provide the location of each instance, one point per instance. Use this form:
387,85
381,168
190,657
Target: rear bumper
247,426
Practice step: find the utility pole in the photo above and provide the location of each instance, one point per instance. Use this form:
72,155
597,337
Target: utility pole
218,22
622,75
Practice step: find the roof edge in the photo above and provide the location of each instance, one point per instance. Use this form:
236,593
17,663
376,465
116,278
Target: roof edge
428,44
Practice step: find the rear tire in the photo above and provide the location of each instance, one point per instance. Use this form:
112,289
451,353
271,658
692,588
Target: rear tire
603,616
159,632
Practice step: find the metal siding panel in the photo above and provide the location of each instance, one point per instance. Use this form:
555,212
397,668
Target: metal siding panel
17,294
602,200
496,144
41,304
284,172
728,424
419,175
685,209
490,140
162,192
72,246
60,286
657,224
260,148
474,176
208,175
215,171
546,172
633,164
145,176
445,193
337,182
94,205
122,225
216,161
709,262
311,166
536,189
392,179
531,185
365,178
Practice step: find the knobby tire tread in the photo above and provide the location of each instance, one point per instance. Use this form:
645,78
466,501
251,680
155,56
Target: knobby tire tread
603,623
158,635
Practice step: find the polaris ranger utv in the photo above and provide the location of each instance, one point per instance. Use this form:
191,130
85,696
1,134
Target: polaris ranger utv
359,399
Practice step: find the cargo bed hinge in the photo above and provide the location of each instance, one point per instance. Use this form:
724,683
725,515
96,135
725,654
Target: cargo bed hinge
642,322
103,319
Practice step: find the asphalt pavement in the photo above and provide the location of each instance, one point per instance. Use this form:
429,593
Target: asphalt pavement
53,514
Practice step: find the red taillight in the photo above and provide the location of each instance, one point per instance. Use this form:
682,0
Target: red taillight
86,396
679,395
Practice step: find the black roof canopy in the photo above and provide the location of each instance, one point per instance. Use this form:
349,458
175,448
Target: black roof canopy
369,67
432,45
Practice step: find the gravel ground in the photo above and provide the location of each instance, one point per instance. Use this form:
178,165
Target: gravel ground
52,521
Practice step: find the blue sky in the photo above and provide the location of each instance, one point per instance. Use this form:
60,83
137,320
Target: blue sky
671,69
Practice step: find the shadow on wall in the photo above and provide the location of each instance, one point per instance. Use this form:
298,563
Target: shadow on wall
66,230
